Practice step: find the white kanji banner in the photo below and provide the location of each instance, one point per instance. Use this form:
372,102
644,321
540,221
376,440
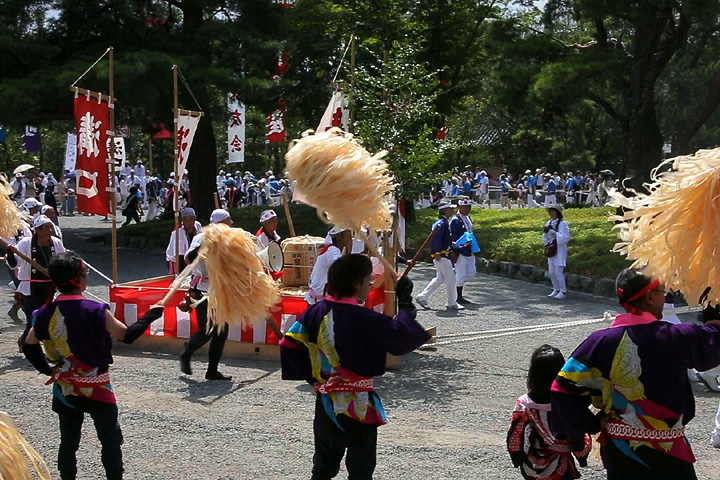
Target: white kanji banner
337,113
236,130
70,152
118,153
186,127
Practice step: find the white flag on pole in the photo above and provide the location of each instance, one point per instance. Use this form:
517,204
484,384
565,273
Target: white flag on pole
186,127
71,152
337,113
236,130
117,153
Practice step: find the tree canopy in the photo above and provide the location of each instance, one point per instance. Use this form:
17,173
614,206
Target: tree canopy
576,85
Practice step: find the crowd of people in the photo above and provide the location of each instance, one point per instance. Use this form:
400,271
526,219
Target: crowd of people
338,346
528,190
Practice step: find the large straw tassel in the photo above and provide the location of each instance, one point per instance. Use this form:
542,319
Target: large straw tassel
16,454
240,291
11,218
672,231
348,186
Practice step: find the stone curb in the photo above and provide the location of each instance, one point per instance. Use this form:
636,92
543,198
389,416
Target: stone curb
604,287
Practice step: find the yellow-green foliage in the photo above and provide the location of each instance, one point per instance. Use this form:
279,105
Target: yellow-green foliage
515,236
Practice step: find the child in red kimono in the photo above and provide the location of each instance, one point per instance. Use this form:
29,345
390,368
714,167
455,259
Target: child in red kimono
531,442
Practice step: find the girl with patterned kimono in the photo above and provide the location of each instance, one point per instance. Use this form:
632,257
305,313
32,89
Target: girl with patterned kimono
530,441
76,334
338,346
635,374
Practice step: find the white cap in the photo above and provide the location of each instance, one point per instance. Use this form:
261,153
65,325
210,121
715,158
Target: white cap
464,202
45,208
40,220
31,203
267,215
336,230
218,215
172,174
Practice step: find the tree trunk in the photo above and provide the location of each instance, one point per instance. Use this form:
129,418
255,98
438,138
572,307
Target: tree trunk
201,169
644,142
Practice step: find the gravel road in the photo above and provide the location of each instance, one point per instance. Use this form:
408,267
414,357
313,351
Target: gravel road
448,409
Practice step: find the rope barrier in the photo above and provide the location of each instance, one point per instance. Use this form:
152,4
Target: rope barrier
514,330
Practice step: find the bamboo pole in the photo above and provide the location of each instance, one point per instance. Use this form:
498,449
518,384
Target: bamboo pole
287,214
217,200
102,96
111,164
176,199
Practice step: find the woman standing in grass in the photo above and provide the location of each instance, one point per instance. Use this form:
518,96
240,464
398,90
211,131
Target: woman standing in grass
556,236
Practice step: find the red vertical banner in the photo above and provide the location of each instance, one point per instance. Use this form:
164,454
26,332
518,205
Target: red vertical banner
92,119
276,124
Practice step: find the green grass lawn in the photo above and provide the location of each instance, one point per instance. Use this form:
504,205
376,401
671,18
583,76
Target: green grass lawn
502,235
515,236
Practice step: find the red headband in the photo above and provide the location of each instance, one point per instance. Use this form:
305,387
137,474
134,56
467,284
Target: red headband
626,303
74,281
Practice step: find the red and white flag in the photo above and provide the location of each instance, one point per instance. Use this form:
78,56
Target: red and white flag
276,125
236,130
186,127
337,113
92,118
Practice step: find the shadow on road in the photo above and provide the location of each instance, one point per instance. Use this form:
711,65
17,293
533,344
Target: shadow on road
426,378
207,392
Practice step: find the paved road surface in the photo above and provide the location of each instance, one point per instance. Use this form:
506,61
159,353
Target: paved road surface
448,410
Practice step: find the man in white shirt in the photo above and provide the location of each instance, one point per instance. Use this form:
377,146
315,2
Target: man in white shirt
188,230
341,240
268,230
201,283
19,189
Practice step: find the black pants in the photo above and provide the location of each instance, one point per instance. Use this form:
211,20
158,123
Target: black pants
331,443
662,466
201,337
105,418
30,304
131,215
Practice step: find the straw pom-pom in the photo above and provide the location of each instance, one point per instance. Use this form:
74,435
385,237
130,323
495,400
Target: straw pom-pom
672,231
16,454
240,291
342,180
11,218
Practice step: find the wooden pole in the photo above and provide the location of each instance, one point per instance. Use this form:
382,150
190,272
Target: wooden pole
390,276
176,199
287,214
414,260
111,165
351,127
150,162
217,200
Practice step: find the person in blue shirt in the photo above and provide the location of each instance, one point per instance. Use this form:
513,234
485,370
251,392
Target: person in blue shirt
441,248
505,192
530,183
467,187
465,267
550,190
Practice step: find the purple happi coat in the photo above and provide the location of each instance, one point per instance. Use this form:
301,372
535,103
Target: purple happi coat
635,372
338,346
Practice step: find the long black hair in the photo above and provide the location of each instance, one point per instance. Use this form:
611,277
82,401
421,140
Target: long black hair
545,364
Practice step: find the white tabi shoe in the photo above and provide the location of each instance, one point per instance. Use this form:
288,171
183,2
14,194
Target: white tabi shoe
422,302
559,296
554,292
